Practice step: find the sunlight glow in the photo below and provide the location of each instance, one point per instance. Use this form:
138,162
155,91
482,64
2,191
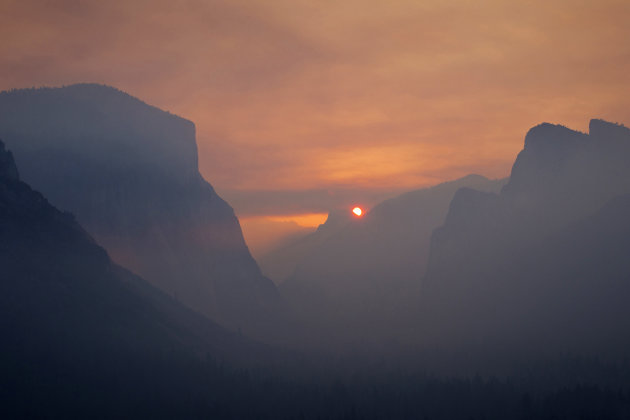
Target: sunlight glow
357,211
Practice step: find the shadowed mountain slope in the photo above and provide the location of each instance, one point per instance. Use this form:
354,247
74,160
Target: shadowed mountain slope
129,173
280,263
80,333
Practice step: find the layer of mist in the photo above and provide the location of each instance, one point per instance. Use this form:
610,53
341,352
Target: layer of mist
475,298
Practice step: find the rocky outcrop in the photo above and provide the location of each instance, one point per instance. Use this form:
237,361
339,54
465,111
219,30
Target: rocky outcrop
570,173
129,172
514,270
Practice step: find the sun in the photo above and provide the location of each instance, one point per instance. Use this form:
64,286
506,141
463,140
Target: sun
357,211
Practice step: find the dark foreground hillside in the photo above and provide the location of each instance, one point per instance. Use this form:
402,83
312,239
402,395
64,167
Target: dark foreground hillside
81,334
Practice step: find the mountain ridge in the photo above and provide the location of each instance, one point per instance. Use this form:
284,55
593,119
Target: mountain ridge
82,336
129,172
518,269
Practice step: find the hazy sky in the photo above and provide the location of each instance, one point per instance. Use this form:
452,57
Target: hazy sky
294,96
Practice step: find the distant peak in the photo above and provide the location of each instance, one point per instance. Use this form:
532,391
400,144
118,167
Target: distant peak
93,86
472,178
336,219
8,170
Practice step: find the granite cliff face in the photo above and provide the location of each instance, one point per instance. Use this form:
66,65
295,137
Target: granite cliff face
538,267
77,329
571,173
129,173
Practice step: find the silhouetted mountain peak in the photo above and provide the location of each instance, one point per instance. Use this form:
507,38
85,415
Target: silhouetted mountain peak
546,257
472,178
600,129
551,139
554,154
109,127
559,177
86,92
8,170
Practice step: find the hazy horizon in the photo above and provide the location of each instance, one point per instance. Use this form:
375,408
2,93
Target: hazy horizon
294,96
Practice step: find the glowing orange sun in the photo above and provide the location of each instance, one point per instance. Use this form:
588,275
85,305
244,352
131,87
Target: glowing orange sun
357,211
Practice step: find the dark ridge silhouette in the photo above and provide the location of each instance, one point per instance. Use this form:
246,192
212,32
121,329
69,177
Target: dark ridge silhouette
129,172
79,332
280,263
542,267
358,278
